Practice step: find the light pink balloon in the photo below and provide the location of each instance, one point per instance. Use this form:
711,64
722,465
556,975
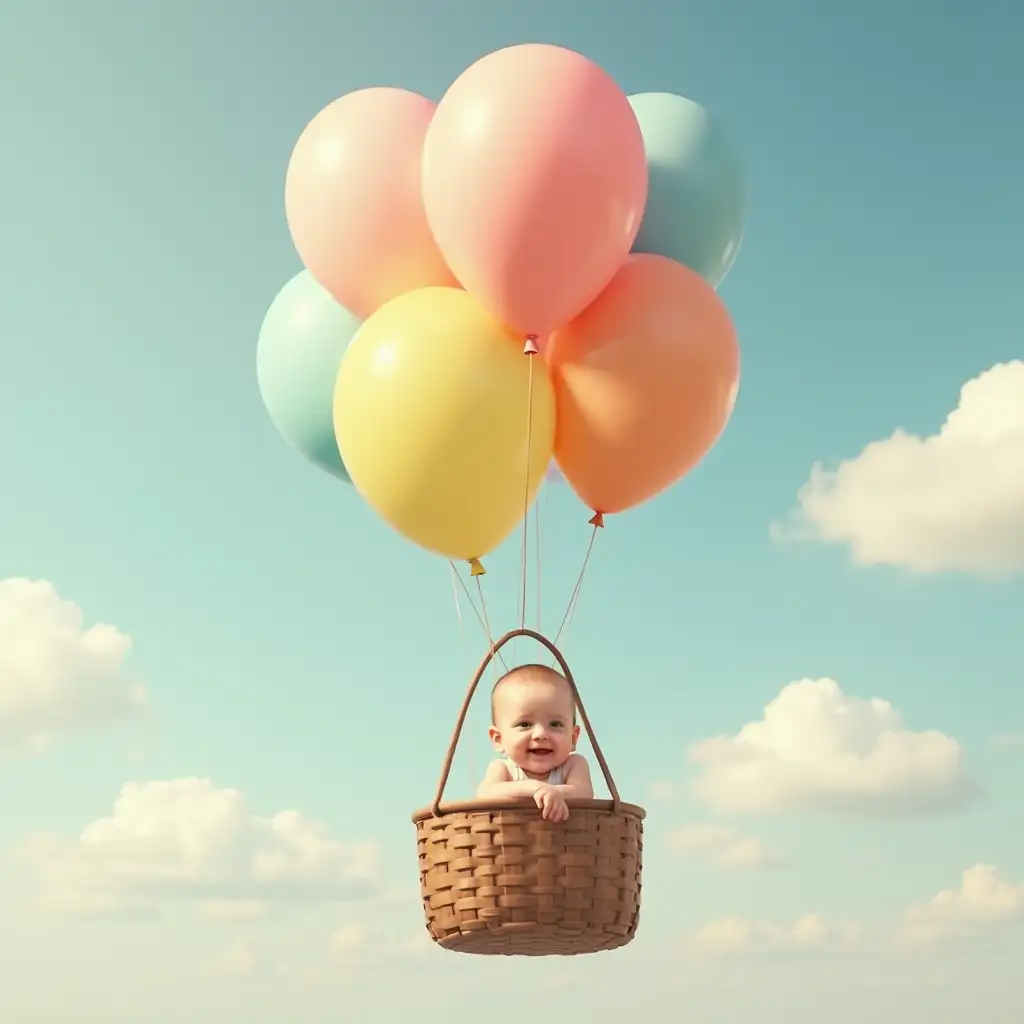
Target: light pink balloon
354,201
534,183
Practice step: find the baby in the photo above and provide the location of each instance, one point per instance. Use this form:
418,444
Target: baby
533,716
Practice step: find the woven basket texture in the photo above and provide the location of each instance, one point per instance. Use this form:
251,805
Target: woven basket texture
509,882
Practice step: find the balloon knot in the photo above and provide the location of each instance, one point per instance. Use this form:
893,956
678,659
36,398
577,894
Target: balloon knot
597,521
530,348
476,567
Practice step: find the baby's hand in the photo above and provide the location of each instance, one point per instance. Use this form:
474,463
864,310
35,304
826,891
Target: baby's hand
551,803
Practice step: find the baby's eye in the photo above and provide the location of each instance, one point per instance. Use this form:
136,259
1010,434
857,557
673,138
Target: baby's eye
557,724
522,725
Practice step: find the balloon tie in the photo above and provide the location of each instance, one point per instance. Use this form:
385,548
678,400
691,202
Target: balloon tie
482,619
476,567
530,348
597,520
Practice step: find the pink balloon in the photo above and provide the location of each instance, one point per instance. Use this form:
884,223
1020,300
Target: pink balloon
354,201
534,183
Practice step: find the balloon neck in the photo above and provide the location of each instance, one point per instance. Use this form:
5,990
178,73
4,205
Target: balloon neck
476,567
530,347
597,520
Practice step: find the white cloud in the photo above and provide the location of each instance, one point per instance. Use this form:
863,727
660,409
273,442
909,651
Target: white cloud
737,936
185,839
984,903
950,501
818,750
348,941
56,676
239,962
724,847
662,789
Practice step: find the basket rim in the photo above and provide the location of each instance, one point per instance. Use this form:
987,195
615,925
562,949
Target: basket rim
525,804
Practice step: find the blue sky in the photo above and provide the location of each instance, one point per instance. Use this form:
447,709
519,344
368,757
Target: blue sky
293,649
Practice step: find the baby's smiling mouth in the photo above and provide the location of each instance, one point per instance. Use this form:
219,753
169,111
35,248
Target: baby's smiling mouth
540,751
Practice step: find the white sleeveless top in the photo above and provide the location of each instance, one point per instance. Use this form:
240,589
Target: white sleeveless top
556,777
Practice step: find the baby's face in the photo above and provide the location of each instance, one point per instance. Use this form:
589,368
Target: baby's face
533,723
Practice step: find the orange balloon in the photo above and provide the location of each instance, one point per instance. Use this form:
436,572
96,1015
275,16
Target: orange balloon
645,381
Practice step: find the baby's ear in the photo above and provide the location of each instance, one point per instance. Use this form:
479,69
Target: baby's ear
495,737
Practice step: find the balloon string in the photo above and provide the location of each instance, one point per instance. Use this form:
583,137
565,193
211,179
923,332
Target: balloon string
486,620
482,619
537,554
574,603
455,594
471,760
574,599
530,349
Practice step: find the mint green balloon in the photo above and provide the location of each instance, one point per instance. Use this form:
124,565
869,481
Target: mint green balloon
696,199
301,343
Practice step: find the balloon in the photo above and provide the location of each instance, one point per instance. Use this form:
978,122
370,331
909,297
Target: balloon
430,413
534,182
353,199
696,201
645,381
301,342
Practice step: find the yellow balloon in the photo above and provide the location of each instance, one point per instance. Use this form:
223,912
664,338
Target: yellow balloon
431,418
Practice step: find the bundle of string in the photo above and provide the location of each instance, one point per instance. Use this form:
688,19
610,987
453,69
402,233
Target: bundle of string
476,568
477,571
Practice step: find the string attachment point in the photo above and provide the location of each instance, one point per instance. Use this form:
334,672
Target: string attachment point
476,567
597,520
530,348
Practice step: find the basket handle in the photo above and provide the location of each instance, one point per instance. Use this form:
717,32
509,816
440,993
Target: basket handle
435,808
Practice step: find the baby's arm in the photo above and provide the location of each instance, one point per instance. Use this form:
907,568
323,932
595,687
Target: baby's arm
498,783
578,784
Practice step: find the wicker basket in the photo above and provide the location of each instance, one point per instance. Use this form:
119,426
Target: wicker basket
496,878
